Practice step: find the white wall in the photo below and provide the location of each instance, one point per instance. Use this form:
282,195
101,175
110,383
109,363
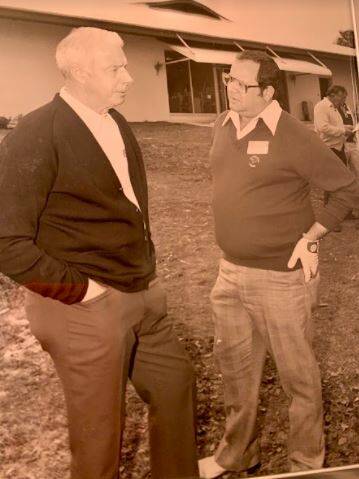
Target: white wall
302,88
306,87
147,99
29,77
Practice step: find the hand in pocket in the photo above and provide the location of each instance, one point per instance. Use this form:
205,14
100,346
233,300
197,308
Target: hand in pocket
94,289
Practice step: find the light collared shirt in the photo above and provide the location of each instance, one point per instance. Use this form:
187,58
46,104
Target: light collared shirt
329,124
270,115
107,134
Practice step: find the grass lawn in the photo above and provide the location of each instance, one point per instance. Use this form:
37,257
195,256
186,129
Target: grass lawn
33,442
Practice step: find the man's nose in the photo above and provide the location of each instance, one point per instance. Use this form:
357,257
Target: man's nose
126,77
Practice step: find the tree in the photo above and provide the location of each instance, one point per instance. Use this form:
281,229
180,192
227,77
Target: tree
346,39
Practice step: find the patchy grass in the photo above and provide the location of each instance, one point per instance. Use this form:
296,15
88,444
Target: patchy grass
33,441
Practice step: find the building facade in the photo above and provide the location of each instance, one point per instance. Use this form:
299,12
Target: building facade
177,75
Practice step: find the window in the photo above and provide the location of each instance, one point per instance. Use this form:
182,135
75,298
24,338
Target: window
223,100
179,87
190,85
203,87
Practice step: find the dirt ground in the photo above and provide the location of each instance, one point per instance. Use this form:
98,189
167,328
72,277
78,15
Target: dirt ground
33,441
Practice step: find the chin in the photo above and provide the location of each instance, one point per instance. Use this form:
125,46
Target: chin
117,100
235,106
121,96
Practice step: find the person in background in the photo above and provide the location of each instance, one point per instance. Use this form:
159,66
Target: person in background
328,121
351,146
263,163
329,125
75,231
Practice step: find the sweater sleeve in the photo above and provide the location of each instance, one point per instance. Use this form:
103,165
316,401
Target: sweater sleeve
322,123
28,167
315,162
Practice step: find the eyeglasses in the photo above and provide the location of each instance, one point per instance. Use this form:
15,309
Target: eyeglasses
242,87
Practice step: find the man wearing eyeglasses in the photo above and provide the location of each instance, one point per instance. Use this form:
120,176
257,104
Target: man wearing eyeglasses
263,161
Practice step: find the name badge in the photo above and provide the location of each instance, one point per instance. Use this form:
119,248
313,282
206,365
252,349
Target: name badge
257,147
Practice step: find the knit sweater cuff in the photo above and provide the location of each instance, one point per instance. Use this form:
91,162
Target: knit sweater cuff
68,293
328,220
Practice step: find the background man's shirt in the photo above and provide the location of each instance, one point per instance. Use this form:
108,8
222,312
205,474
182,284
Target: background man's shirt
329,124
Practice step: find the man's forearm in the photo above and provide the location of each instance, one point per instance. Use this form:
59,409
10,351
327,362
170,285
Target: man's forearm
29,266
28,170
332,130
315,232
323,169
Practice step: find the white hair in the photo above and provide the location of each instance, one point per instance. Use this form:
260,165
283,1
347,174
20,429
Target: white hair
78,46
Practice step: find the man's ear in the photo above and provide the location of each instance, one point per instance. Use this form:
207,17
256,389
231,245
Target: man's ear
268,93
79,74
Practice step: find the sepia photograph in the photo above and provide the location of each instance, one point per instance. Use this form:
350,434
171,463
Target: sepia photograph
179,239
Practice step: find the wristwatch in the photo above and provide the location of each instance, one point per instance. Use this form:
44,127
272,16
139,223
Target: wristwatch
313,246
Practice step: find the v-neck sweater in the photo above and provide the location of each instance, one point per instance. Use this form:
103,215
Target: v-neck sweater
261,202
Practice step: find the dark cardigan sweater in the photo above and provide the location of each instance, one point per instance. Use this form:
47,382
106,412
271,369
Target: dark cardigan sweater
262,205
64,217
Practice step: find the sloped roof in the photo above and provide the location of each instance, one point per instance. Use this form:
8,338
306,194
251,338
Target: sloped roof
305,24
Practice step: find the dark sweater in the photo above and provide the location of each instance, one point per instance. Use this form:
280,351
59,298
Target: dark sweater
64,217
261,212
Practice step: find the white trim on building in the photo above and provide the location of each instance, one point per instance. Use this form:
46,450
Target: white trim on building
204,55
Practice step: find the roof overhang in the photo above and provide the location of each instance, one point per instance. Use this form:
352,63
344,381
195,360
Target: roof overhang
225,57
139,22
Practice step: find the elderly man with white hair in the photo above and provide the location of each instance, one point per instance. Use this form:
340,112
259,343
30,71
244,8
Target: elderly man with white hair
75,232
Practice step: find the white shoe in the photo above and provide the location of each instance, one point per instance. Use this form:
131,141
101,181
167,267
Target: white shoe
209,469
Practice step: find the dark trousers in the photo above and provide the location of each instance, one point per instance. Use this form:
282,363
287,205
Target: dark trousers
96,346
340,154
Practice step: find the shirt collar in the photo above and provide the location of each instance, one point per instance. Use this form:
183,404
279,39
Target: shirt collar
270,115
89,116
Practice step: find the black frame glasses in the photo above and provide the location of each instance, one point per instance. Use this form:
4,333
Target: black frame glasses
227,79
